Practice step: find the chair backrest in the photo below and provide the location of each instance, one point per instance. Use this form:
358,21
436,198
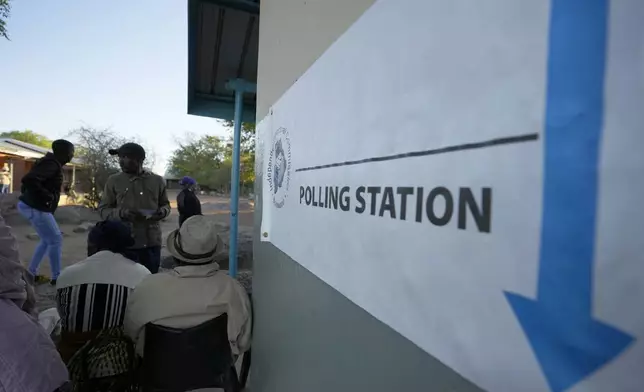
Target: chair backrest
186,359
105,363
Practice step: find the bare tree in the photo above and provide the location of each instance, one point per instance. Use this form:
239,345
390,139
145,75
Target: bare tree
92,147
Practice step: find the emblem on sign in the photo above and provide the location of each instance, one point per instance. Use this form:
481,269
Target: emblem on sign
278,173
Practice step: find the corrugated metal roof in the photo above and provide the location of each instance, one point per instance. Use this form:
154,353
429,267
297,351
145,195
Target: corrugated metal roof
223,41
28,146
27,150
7,147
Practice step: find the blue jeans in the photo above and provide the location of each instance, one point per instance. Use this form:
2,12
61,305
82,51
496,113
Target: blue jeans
51,239
4,188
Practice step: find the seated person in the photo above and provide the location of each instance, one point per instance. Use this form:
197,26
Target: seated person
28,357
193,292
91,295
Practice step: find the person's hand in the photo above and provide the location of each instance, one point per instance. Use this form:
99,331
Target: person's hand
157,215
130,215
48,199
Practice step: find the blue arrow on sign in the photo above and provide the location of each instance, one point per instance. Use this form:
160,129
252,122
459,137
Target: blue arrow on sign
568,342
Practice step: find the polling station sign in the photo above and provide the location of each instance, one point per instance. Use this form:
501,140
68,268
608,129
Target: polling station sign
471,176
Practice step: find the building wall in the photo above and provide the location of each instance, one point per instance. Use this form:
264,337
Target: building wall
172,184
308,337
21,167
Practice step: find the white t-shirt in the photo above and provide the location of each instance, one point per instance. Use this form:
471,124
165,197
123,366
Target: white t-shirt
103,267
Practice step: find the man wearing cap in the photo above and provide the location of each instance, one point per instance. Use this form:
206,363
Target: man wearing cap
91,295
188,203
137,197
193,292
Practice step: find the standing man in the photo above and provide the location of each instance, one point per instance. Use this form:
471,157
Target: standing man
188,203
137,197
5,180
38,201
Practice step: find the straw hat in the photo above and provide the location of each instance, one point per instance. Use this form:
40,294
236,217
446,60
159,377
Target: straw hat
196,242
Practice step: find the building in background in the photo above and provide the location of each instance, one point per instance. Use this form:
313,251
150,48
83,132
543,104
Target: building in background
307,336
20,156
442,190
171,180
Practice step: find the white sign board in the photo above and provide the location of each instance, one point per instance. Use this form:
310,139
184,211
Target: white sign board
470,173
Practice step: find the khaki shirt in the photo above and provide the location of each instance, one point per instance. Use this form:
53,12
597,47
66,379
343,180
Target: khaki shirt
185,297
136,192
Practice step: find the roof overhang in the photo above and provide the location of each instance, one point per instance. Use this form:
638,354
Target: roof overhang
9,148
29,151
223,38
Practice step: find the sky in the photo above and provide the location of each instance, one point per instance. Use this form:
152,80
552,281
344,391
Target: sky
118,64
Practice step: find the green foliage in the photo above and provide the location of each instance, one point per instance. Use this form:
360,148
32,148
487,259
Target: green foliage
247,152
200,158
28,136
208,159
247,136
5,10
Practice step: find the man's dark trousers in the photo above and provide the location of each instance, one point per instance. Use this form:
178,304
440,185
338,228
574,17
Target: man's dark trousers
149,257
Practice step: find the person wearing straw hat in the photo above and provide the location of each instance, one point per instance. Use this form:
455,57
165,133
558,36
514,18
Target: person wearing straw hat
193,292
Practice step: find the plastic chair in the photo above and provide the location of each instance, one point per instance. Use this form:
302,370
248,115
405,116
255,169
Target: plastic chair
179,360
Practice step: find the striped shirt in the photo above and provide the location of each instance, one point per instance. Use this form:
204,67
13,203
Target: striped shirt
92,306
92,294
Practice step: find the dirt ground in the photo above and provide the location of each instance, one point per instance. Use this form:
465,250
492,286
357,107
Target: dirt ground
75,244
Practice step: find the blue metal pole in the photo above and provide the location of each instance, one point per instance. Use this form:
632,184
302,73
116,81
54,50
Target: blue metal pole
234,187
239,86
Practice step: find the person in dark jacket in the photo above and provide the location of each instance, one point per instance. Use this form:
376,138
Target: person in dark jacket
188,203
38,201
